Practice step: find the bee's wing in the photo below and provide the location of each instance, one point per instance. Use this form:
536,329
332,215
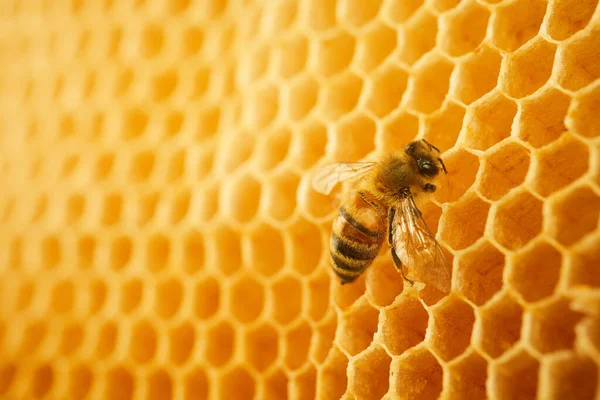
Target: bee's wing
417,248
330,175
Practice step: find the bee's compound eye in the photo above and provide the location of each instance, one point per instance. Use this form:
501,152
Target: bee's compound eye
428,168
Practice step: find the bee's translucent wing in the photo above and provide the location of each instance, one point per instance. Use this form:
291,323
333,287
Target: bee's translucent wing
417,248
330,175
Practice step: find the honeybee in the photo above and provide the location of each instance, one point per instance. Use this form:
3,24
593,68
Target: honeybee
381,203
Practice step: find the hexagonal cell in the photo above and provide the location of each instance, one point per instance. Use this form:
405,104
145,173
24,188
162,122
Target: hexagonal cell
226,249
353,138
331,377
135,122
209,120
479,272
398,129
193,251
416,375
120,252
180,205
400,11
321,15
475,75
388,87
566,17
297,345
516,22
374,46
489,120
334,53
417,37
428,84
498,325
151,40
358,13
71,339
242,197
272,147
341,95
168,298
81,382
383,283
196,385
504,168
261,346
560,164
583,112
120,384
527,69
357,327
239,381
264,106
442,127
302,98
308,147
280,195
574,215
463,28
33,337
576,58
164,85
63,297
220,343
462,168
322,340
304,240
467,377
158,252
568,376
287,299
143,342
516,377
97,296
160,385
276,386
450,327
403,324
131,295
51,250
518,219
370,373
541,118
318,296
582,269
463,222
551,326
247,299
534,271
304,384
265,239
290,55
181,342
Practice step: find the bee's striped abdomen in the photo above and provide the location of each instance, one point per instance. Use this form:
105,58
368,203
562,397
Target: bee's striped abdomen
356,238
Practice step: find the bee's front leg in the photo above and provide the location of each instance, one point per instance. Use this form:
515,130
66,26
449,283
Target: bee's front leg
397,261
430,188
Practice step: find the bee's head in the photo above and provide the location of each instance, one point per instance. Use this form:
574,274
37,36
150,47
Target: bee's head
427,158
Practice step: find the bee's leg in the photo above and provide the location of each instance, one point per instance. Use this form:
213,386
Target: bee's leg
395,257
428,187
372,204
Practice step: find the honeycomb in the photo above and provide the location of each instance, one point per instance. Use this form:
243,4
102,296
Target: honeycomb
160,237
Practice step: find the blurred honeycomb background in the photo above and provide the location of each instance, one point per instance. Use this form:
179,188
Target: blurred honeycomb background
159,237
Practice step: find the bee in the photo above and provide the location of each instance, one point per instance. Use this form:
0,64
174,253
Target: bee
381,204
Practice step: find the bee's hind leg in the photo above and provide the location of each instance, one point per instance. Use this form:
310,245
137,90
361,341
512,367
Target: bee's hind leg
397,262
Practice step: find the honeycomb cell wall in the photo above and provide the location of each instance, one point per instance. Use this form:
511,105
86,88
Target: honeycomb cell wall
160,239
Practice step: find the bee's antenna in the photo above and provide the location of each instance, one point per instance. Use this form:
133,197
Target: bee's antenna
443,166
431,146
